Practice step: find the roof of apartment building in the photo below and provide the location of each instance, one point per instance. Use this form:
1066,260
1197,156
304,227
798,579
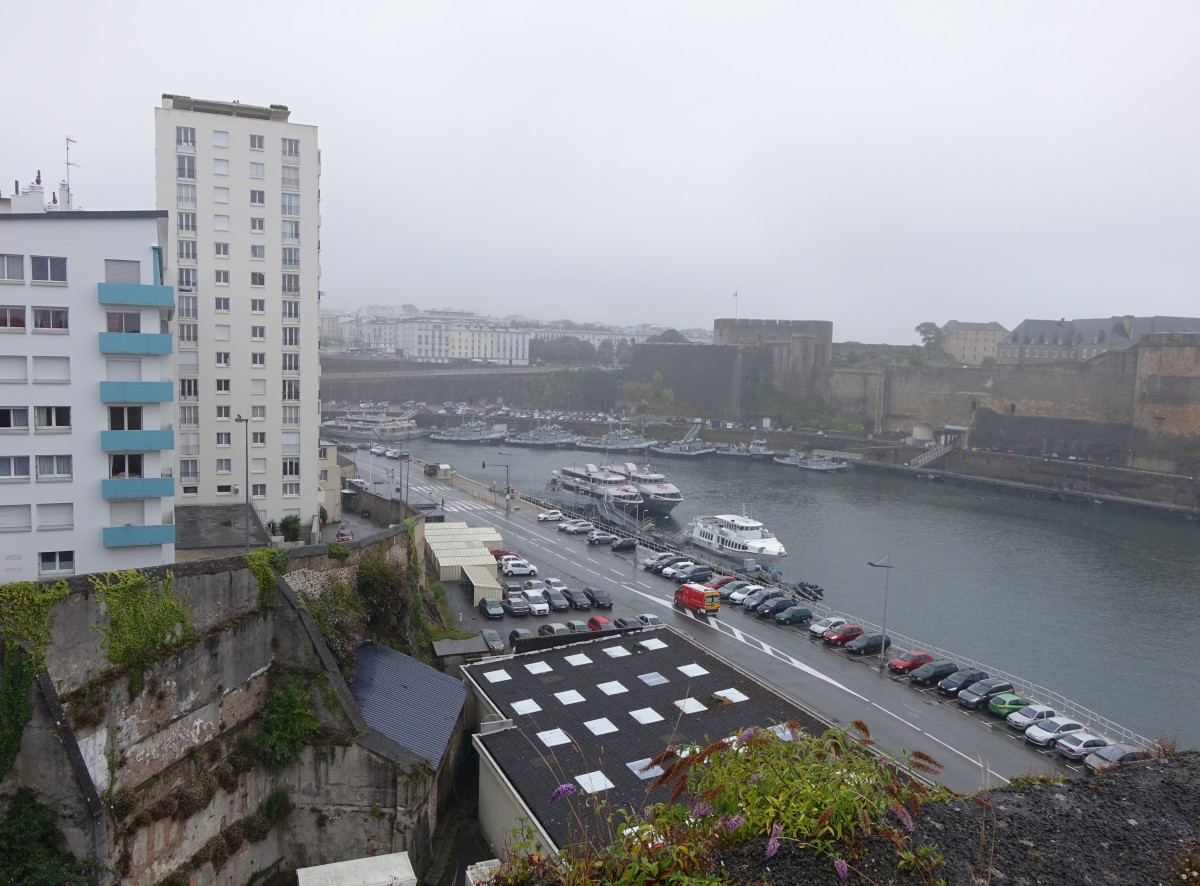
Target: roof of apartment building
961,326
1109,332
593,715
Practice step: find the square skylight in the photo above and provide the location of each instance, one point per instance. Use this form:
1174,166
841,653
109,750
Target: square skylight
538,667
552,737
653,643
578,659
498,676
602,726
616,651
613,687
526,706
646,716
782,730
732,694
594,781
690,705
654,678
638,768
693,670
569,697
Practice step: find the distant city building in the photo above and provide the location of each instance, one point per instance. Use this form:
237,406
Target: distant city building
972,343
86,409
1047,341
596,337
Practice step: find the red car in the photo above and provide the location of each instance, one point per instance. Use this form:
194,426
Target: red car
345,535
599,623
500,552
907,662
719,581
842,634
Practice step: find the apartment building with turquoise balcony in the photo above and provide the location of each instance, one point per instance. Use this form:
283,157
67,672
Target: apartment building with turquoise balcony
86,391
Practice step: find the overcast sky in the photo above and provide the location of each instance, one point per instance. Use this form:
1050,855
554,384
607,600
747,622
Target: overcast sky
873,164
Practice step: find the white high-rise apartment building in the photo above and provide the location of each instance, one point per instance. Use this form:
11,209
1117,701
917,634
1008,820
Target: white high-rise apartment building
85,391
241,184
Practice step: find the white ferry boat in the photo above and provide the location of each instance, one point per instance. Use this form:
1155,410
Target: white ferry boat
599,483
736,538
374,426
661,496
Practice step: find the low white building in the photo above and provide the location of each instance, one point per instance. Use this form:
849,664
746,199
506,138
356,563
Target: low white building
85,391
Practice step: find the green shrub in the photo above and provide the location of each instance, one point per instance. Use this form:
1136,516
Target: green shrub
338,550
290,527
288,724
341,617
146,620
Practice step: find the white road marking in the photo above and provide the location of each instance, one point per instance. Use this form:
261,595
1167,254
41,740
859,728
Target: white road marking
896,716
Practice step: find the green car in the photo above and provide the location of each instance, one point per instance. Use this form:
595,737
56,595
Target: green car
794,615
1008,703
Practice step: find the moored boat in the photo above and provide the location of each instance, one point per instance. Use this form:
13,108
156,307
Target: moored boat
598,482
545,437
797,459
754,449
375,426
471,432
660,495
736,538
694,448
623,440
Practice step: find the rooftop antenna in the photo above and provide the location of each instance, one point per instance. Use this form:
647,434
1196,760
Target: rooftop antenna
70,141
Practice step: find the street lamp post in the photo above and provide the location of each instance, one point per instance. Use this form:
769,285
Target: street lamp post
507,487
883,564
245,423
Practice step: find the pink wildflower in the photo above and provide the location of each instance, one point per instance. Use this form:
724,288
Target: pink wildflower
563,790
773,842
843,869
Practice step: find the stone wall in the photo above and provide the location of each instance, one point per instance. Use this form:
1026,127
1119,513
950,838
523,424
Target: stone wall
1167,395
712,380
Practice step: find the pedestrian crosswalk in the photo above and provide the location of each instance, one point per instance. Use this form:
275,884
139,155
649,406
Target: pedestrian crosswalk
448,500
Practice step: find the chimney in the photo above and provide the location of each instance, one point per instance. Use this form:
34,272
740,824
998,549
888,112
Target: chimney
64,195
1128,321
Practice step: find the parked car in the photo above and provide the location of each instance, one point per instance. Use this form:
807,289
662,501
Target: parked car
695,574
577,627
516,605
908,661
1114,756
842,634
669,571
957,682
771,608
503,560
794,615
577,527
931,672
659,565
743,592
489,607
624,544
628,621
557,600
979,693
1008,703
533,584
728,590
1079,745
577,599
345,535
869,644
818,628
518,634
596,537
762,595
719,581
495,643
552,628
598,597
1047,732
1027,716
654,559
500,553
649,620
550,516
538,604
519,567
599,623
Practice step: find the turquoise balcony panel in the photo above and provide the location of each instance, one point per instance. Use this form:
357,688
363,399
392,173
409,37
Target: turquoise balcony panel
136,294
136,441
131,536
136,392
138,487
135,343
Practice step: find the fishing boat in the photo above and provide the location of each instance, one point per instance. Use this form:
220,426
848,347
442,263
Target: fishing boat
797,459
660,495
544,437
471,432
597,482
756,449
736,538
622,440
375,426
690,446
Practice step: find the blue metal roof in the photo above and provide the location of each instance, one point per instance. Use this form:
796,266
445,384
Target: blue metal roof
409,702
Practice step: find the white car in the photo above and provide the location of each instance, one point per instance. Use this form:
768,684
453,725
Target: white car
557,583
670,571
550,516
392,453
517,566
649,620
742,593
656,558
1027,716
378,450
1047,732
503,561
817,628
538,604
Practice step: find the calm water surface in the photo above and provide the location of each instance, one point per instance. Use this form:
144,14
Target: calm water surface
1096,605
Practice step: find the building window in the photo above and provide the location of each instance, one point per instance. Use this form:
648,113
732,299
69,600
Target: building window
185,196
258,386
259,438
258,252
258,224
224,489
48,269
258,306
290,284
123,465
221,278
221,332
223,413
224,438
258,333
291,256
291,416
14,418
220,138
221,250
291,489
258,278
51,370
291,309
290,147
224,465
220,223
258,170
185,137
187,279
12,318
289,204
15,518
291,467
57,515
291,362
290,231
258,490
221,303
258,198
50,318
14,467
185,166
123,321
222,358
125,418
291,177
220,195
189,416
185,222
258,413
323,476
53,417
291,389
189,334
291,336
189,389
223,385
54,467
256,142
56,561
258,358
189,469
186,250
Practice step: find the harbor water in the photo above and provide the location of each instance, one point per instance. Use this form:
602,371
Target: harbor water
1099,606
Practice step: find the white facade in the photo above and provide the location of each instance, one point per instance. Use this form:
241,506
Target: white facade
85,392
241,185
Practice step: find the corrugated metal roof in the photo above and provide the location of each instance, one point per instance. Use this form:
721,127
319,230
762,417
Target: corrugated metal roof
482,576
409,702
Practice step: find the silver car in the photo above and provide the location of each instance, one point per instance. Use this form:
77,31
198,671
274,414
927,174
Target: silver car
819,627
1026,717
1050,730
1078,745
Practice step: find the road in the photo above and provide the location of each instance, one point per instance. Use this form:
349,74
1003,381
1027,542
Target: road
976,749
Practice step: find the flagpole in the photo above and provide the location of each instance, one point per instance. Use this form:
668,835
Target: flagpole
735,307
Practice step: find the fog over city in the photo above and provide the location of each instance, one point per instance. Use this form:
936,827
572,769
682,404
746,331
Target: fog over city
873,164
